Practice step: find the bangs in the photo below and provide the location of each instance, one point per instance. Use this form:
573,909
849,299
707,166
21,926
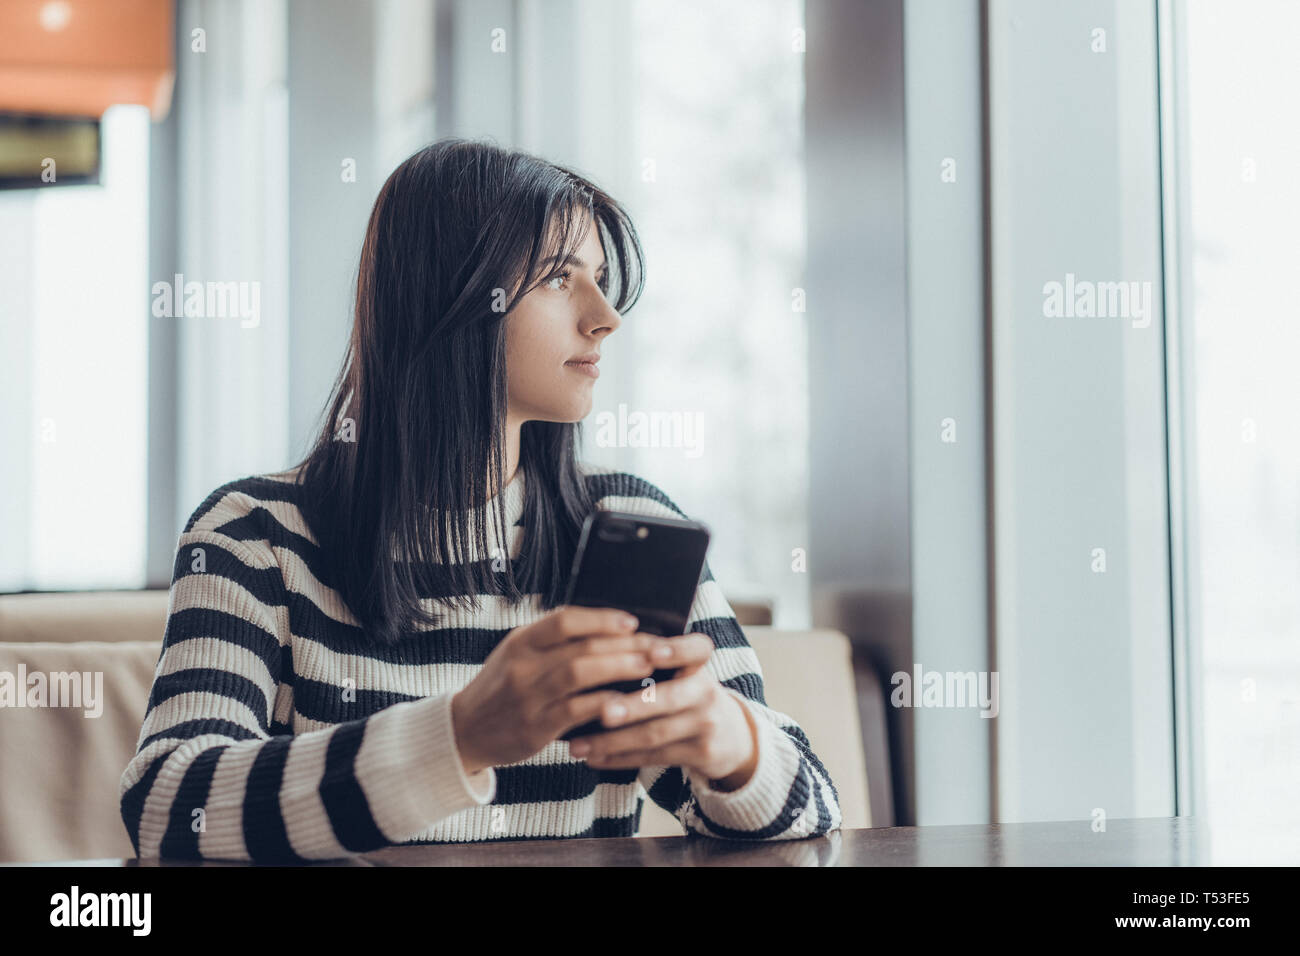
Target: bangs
624,262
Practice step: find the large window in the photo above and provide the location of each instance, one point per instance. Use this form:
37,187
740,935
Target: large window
1242,151
719,335
74,336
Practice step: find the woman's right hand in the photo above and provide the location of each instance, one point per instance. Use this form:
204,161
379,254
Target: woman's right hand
527,693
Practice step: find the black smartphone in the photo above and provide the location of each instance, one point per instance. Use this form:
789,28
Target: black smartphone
650,567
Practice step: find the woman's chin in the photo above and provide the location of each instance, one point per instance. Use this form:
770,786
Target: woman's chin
570,413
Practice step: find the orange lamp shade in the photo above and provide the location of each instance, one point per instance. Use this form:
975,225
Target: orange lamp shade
79,57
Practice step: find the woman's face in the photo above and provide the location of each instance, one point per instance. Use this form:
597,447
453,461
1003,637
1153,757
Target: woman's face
563,320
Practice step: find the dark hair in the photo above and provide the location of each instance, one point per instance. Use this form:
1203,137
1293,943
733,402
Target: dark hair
457,237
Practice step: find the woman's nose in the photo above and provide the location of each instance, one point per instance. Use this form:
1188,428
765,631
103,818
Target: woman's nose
603,314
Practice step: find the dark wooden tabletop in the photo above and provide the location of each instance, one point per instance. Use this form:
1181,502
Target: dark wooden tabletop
1153,841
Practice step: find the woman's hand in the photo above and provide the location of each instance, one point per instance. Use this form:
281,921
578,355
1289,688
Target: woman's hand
691,721
527,693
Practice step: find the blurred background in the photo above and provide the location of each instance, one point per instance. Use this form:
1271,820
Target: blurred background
853,212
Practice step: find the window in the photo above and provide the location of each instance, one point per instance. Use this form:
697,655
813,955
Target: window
1242,339
75,339
718,198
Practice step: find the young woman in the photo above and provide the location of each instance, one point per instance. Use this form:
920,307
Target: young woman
369,649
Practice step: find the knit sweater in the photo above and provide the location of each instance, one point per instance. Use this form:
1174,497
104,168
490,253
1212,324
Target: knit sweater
275,732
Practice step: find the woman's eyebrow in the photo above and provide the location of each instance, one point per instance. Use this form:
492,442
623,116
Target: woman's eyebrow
572,260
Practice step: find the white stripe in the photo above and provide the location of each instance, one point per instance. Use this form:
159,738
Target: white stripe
223,819
305,819
158,804
214,653
255,554
193,705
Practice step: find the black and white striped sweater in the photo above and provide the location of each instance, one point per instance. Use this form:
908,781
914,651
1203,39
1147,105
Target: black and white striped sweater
276,733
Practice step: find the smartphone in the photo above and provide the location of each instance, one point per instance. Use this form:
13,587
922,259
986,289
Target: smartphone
650,567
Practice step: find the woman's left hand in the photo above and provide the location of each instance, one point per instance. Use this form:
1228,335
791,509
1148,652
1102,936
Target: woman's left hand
691,721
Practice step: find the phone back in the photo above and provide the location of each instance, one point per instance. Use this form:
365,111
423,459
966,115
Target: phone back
649,567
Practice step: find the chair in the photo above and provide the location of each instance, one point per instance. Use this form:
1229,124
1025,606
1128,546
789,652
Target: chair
60,766
807,675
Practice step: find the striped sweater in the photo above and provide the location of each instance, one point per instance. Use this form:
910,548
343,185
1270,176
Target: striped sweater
276,733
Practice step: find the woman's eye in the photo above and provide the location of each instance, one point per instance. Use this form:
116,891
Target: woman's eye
558,282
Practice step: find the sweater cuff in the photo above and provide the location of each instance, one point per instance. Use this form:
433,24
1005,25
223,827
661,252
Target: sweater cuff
760,801
411,770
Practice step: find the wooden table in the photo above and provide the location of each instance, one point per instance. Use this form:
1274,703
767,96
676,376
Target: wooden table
1154,841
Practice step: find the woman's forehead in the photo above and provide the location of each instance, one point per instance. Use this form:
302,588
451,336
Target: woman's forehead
580,224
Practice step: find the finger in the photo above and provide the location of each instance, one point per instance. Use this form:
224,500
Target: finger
648,735
683,753
664,697
563,715
641,643
569,621
683,650
567,676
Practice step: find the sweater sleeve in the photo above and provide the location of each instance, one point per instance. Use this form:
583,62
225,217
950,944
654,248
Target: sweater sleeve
790,795
216,776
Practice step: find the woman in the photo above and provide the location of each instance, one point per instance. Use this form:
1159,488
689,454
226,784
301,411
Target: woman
369,649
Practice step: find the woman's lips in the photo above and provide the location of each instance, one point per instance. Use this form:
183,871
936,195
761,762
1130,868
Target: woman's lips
586,368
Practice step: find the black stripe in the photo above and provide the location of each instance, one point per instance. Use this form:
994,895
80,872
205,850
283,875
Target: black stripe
751,685
341,793
432,580
264,584
619,776
539,783
133,799
209,622
316,700
624,485
181,841
805,750
671,791
823,812
451,645
212,681
723,631
254,486
286,674
265,833
189,729
261,525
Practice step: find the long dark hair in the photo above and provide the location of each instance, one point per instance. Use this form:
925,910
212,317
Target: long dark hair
413,437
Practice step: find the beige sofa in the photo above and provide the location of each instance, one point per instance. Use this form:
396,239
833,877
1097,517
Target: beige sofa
59,768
